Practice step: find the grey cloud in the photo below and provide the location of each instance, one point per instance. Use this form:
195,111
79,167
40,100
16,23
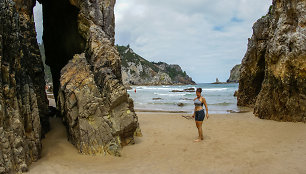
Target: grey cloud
206,35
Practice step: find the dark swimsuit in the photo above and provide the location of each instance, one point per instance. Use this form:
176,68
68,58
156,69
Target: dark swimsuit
199,115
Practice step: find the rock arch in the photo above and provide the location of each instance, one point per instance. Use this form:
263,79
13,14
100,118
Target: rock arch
79,44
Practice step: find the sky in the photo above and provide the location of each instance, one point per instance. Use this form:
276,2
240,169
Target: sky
205,37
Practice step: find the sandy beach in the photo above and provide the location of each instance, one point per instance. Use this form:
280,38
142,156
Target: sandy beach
233,143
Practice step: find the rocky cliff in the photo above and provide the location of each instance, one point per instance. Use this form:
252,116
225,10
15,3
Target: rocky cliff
235,74
85,65
23,102
273,72
86,71
138,71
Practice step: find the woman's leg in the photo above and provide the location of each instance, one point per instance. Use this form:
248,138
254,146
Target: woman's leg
199,126
200,130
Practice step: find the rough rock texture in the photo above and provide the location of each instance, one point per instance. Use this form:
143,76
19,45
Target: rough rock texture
23,102
97,110
93,125
101,119
273,72
235,74
138,71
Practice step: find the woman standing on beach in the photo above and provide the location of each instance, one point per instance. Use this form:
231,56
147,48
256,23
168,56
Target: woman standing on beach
199,113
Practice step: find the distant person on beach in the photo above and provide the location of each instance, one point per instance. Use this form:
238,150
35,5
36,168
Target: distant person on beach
199,113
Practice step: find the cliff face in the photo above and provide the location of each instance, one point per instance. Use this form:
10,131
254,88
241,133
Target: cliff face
138,71
23,102
97,110
86,72
235,74
273,72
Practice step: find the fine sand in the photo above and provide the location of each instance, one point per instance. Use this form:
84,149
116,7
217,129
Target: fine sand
233,143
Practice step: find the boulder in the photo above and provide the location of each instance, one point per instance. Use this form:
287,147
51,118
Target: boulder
273,71
180,104
93,125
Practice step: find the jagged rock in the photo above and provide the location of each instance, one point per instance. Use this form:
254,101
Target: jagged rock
128,88
235,93
138,71
70,27
273,72
189,90
185,90
180,104
235,74
23,102
97,110
93,126
177,90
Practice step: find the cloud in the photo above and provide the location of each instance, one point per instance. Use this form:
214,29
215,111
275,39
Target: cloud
206,37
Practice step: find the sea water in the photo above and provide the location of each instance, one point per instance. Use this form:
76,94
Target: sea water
220,97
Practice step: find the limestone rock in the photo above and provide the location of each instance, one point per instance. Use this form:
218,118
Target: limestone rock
103,111
97,110
93,126
23,102
138,71
273,72
235,74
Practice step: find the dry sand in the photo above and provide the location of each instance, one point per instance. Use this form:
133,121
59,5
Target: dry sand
234,143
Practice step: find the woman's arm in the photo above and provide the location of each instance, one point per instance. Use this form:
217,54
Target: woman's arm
193,113
206,108
194,108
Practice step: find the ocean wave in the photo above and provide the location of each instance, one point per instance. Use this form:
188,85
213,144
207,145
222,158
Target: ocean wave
156,89
166,103
164,88
214,89
169,94
221,104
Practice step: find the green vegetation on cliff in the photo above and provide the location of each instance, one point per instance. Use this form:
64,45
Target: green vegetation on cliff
137,70
48,75
127,55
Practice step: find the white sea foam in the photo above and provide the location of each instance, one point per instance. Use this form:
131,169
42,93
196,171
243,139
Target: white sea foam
214,89
157,88
219,97
180,94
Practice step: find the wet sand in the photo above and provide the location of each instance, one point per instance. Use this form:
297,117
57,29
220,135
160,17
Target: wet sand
233,143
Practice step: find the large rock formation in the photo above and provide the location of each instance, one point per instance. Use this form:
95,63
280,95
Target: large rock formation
273,72
23,102
97,122
139,71
235,74
97,110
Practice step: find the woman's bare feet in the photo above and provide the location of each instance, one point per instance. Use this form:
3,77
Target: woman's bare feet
197,140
